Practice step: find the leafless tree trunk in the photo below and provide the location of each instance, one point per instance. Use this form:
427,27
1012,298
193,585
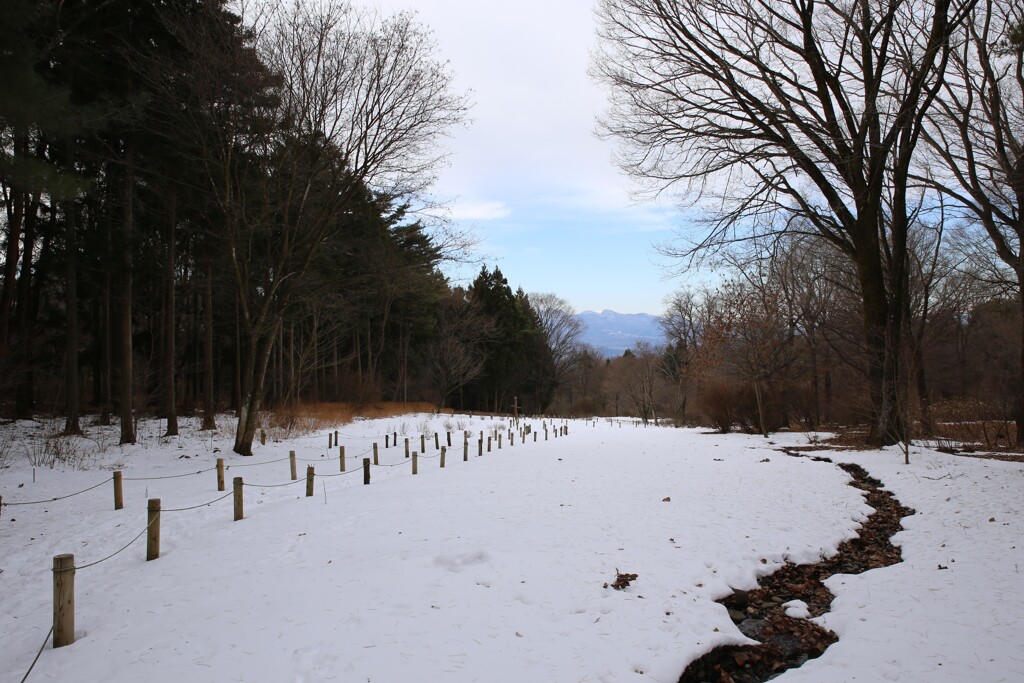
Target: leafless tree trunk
170,317
125,383
71,419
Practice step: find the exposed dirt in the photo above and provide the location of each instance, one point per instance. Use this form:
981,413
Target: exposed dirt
788,642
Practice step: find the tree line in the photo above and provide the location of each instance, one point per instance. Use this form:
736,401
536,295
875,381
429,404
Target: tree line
208,205
777,343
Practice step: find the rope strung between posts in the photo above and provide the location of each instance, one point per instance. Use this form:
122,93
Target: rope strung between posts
196,507
127,545
41,648
256,464
170,476
273,486
70,495
341,474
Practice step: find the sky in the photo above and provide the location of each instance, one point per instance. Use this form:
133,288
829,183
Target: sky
528,175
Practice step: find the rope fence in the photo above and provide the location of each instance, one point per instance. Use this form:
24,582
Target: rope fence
64,567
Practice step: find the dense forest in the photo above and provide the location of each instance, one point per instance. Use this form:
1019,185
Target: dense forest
209,205
209,210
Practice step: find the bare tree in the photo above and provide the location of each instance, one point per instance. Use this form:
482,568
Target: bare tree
562,331
340,100
787,110
976,134
686,323
458,355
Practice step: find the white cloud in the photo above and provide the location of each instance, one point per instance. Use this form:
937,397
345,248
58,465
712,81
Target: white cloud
479,210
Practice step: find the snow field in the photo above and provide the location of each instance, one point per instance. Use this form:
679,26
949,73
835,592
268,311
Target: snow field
492,569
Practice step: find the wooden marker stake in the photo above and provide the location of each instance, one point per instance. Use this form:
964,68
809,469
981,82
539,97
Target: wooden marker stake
63,600
118,491
153,534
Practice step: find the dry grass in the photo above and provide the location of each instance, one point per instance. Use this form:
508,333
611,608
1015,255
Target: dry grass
967,425
307,418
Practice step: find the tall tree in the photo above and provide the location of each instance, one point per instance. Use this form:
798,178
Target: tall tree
783,110
976,136
339,101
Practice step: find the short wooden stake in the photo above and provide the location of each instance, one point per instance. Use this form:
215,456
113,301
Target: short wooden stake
153,534
263,437
63,600
511,439
336,442
444,449
480,447
465,450
436,443
309,481
237,487
291,461
220,474
499,442
535,437
341,456
118,491
375,453
449,434
488,444
394,439
407,447
387,438
415,457
423,443
366,471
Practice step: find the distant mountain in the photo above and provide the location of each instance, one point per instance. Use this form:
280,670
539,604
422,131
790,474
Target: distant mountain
612,333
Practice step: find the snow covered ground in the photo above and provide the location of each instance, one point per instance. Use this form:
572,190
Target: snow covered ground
494,569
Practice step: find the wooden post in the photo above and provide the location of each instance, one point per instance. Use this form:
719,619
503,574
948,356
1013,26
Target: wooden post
443,450
366,471
436,443
341,455
535,437
153,535
237,484
480,447
220,474
394,438
291,461
336,442
414,459
63,600
387,438
309,481
449,439
263,437
407,447
488,444
465,449
499,442
511,439
375,452
118,494
423,443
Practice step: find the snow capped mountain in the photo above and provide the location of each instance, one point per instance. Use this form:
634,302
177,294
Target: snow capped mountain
612,333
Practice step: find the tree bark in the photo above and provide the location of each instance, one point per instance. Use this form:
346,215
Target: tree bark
254,373
71,419
125,384
24,395
209,407
170,319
